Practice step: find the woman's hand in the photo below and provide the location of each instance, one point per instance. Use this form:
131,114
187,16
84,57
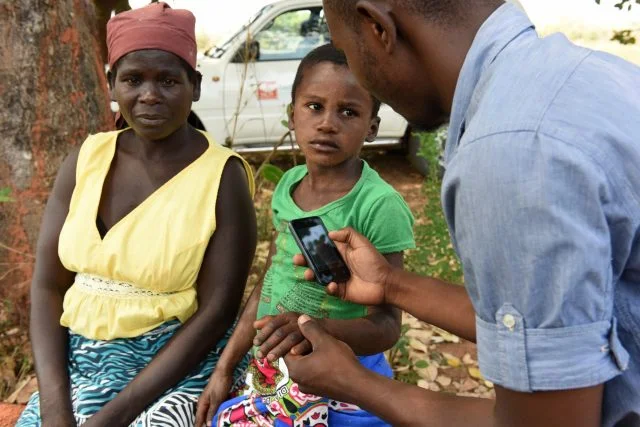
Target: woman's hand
369,269
280,335
216,392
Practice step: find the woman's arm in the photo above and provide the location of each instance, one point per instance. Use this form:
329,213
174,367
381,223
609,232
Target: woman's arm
372,334
239,344
221,284
50,282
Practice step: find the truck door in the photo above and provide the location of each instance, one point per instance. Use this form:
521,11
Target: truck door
266,80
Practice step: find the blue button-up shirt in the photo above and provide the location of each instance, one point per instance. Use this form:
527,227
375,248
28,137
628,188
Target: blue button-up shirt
542,197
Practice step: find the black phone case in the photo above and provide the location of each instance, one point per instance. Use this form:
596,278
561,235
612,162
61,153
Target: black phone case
320,278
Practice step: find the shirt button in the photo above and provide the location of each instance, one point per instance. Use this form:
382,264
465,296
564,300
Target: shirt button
509,321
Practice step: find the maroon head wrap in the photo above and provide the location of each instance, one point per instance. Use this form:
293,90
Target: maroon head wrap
155,26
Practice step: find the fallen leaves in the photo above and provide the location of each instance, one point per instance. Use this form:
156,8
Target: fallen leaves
475,372
438,361
23,391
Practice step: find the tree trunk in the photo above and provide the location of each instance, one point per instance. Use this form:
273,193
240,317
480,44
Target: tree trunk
53,93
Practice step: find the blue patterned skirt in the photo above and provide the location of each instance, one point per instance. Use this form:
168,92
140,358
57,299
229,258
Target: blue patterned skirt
99,370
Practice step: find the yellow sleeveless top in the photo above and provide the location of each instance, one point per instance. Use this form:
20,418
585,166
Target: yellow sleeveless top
143,272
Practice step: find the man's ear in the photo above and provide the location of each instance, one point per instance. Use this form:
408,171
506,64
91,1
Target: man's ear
378,21
110,77
197,88
373,129
290,116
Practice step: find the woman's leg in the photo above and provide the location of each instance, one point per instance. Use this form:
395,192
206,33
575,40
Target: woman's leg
30,417
177,406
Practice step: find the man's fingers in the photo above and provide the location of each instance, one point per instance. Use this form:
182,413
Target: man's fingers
342,236
311,330
302,349
337,290
309,276
298,259
333,289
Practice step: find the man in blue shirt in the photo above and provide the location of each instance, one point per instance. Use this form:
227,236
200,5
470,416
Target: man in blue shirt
542,197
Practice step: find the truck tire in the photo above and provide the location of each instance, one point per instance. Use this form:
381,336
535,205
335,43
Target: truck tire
412,147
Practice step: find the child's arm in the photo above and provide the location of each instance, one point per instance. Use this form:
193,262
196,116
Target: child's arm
240,343
372,334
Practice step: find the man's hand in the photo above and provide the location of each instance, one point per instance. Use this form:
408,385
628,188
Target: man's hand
216,392
369,269
280,335
329,369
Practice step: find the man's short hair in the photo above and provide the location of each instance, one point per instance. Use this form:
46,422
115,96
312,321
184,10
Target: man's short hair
444,12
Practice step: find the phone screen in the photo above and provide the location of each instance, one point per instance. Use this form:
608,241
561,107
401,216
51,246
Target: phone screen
319,250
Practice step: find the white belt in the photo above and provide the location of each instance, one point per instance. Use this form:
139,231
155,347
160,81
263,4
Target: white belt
105,286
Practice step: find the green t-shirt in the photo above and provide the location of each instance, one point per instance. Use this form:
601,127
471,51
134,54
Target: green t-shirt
372,207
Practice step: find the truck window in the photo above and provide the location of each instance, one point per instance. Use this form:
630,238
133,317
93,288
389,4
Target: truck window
293,34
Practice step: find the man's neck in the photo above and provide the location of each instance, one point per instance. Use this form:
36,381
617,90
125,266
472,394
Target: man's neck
443,51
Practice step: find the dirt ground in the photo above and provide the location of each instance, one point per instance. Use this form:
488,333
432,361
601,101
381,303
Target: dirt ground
434,359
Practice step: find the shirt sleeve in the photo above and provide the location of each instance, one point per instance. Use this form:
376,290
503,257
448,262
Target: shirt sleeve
528,218
389,224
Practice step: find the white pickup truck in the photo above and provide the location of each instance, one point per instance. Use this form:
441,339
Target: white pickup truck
243,103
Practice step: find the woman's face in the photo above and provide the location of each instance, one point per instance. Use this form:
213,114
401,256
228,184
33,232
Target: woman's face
154,93
331,115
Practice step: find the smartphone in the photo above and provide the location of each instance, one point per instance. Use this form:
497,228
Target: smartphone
319,250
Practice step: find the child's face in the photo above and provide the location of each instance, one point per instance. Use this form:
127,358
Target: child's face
154,93
331,115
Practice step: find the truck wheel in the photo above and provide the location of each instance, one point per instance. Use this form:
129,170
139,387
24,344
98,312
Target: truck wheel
412,145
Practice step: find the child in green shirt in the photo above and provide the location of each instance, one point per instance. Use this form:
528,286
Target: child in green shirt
332,116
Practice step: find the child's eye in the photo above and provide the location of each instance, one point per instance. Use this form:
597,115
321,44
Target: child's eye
349,112
314,106
168,82
131,81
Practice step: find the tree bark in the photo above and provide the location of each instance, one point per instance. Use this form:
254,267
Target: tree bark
53,93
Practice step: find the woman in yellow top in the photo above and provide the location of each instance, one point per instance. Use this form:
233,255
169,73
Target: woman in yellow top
145,246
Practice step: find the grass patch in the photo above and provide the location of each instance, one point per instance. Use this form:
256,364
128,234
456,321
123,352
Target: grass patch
434,255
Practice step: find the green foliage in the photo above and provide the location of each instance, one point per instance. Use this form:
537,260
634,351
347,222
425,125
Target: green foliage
271,173
624,37
399,356
431,147
622,4
284,32
434,255
5,195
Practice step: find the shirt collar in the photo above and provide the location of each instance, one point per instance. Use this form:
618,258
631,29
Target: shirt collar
499,30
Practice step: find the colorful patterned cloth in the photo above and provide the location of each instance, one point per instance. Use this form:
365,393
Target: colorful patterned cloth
272,399
99,370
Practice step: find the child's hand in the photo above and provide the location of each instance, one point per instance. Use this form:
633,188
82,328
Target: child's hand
280,335
216,392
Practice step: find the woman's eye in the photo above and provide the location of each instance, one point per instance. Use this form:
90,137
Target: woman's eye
168,82
314,106
349,112
132,81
